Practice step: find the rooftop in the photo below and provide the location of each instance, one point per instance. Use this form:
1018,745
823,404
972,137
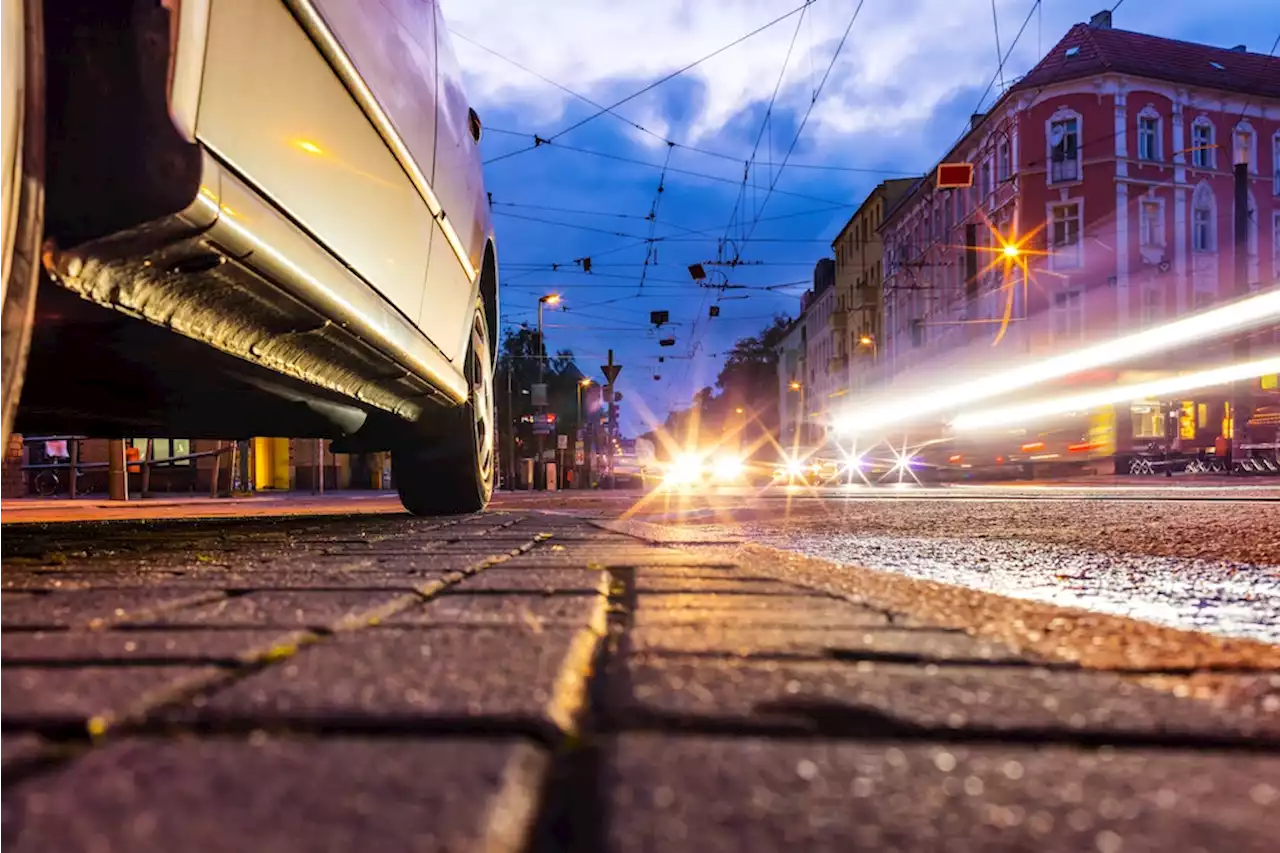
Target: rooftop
1089,49
1095,48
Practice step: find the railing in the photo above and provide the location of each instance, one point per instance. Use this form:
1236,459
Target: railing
74,467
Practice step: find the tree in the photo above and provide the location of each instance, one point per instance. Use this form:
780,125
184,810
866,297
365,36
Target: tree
517,373
745,411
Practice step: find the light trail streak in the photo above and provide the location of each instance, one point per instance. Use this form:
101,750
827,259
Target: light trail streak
1227,319
1019,415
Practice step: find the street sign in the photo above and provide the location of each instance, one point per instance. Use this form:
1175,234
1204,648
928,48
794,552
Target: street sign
538,393
562,442
610,372
544,424
953,176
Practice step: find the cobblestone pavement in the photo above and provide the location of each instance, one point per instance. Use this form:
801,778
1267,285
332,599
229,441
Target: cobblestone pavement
521,681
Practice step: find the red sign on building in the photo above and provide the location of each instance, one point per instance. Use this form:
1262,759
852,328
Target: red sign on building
953,176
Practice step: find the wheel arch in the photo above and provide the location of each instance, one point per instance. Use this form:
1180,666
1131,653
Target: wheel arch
489,293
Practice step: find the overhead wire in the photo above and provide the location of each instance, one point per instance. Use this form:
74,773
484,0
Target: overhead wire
602,110
804,120
651,250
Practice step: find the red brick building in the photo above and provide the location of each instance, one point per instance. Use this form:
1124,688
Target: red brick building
1114,154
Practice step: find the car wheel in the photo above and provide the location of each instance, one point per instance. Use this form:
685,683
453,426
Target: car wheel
22,256
453,474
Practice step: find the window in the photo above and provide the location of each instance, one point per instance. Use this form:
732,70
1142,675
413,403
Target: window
1275,164
1203,220
1202,143
1151,224
1148,137
1152,304
1244,147
1148,419
1065,251
1004,169
1275,244
164,448
1064,150
986,178
1068,314
1202,230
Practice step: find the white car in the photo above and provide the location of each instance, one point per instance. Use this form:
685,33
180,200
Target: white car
227,218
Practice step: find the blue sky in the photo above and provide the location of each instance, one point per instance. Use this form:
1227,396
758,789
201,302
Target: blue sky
898,93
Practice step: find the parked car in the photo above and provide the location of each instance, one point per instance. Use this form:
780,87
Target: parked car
250,217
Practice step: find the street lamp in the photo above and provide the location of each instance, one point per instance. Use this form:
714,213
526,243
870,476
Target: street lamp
869,341
585,382
549,299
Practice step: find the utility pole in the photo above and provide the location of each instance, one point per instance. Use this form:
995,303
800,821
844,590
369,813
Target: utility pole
511,431
1241,402
610,372
540,426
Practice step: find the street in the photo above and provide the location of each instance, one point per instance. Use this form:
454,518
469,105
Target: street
1060,667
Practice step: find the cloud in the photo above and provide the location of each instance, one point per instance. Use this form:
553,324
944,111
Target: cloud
901,59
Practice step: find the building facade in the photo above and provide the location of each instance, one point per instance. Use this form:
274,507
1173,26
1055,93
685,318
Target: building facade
858,252
811,369
1110,166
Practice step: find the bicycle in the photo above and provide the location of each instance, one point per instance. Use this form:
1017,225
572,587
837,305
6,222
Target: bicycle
47,482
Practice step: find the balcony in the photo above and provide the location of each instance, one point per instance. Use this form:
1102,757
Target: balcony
838,321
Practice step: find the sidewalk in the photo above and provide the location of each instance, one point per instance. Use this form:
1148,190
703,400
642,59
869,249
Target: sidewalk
524,682
100,508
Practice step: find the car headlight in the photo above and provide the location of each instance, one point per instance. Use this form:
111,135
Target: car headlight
727,468
684,469
795,468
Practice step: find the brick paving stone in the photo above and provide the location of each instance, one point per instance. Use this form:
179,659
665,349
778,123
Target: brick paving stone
292,608
728,571
378,578
523,610
19,747
54,695
796,599
535,580
650,584
72,607
280,795
826,615
545,558
743,795
152,645
412,676
889,698
821,642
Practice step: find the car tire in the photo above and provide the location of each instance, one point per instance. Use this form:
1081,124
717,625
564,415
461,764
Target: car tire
451,472
22,266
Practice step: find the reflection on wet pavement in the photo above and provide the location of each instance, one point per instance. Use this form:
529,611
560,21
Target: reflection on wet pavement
1231,599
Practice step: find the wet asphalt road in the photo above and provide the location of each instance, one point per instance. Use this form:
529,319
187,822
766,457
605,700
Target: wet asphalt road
1200,559
587,673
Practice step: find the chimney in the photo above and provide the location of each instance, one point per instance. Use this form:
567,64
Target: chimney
1101,21
1239,49
976,119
